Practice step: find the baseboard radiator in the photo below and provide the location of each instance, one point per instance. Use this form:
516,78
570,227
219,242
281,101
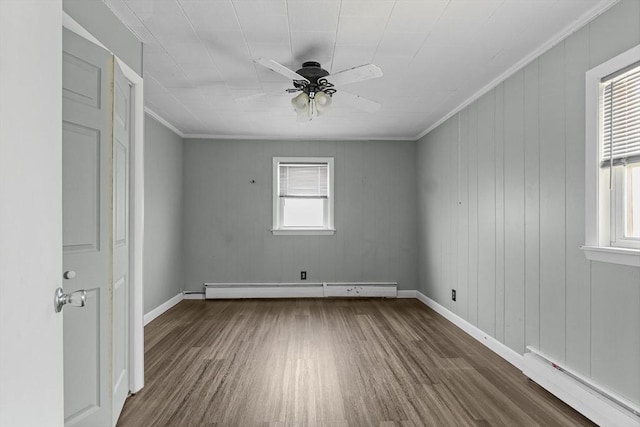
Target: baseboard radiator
301,290
596,403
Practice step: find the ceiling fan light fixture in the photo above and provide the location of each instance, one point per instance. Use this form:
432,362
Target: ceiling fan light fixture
300,103
322,102
302,106
310,105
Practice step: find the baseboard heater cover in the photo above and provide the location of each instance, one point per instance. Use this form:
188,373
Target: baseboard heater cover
301,290
594,402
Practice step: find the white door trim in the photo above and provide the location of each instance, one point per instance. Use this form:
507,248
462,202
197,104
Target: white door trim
136,356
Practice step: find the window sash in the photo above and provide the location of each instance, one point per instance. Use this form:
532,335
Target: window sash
303,180
282,216
620,117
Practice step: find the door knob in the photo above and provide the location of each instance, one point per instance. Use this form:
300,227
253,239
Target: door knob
69,274
76,299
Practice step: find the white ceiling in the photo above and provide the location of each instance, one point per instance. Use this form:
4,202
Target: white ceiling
435,54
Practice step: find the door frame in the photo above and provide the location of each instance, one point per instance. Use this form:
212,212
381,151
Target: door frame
136,212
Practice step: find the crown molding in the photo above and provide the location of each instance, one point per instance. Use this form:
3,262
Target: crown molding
580,22
164,122
293,138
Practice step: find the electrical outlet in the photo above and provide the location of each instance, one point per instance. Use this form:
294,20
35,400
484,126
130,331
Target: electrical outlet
303,275
453,294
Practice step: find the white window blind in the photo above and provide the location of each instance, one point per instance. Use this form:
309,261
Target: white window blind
304,180
620,114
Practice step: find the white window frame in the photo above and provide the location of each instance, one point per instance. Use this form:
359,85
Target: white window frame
278,229
600,214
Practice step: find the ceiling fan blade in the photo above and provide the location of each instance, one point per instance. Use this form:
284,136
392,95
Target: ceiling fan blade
358,102
280,69
250,97
259,95
355,74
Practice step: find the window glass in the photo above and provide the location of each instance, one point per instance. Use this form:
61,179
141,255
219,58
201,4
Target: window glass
633,201
303,212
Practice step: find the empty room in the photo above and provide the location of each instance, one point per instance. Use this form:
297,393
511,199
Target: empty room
319,213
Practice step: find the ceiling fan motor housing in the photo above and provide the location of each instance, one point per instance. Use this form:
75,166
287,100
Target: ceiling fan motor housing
313,71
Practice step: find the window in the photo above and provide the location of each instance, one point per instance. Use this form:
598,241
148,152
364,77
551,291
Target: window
303,195
613,160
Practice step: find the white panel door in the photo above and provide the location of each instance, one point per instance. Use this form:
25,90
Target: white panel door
87,230
30,213
121,282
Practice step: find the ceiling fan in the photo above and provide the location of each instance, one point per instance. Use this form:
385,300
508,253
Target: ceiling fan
317,86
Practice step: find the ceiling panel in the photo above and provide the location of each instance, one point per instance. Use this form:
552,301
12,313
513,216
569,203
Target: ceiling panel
201,77
209,15
400,44
365,29
416,16
311,15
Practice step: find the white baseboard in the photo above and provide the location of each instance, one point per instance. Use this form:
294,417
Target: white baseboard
300,290
407,294
582,398
162,308
493,344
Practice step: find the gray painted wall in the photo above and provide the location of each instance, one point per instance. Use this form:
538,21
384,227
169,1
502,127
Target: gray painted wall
163,272
97,18
227,219
501,213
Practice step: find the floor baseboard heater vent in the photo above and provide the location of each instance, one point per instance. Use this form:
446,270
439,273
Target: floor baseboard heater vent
590,399
301,290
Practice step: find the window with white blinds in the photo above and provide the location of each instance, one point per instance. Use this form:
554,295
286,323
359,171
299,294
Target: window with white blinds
612,160
303,180
620,117
303,196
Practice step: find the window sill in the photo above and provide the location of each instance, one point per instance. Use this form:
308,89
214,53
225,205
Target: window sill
613,255
304,232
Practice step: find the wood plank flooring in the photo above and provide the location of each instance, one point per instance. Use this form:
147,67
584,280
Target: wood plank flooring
328,362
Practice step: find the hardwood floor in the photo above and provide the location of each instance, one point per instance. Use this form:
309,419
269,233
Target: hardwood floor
330,362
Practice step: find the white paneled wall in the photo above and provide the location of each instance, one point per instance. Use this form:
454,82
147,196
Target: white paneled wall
501,214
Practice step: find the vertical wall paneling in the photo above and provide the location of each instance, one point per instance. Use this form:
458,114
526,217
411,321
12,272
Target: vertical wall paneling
532,204
552,203
577,266
472,268
327,253
227,219
520,172
499,209
354,177
408,236
163,214
486,213
461,307
615,328
368,212
514,211
448,189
